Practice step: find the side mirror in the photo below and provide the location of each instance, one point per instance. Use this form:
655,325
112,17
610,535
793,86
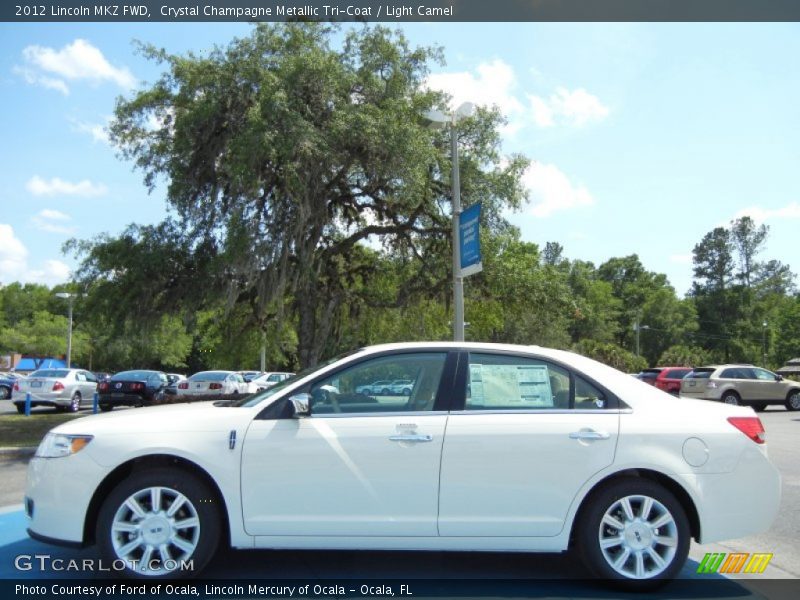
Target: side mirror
300,405
778,377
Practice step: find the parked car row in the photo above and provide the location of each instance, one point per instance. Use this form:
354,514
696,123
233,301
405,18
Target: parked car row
732,384
72,389
386,387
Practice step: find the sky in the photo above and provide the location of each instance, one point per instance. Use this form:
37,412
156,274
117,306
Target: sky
643,137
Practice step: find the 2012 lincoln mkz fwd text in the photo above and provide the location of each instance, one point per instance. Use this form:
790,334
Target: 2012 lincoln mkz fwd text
495,448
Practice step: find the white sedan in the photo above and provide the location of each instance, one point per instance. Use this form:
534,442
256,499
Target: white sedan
267,380
497,448
213,383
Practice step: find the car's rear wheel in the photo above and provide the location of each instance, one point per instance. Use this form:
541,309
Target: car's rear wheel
793,400
731,398
157,521
759,406
20,408
386,392
106,407
634,533
5,393
74,402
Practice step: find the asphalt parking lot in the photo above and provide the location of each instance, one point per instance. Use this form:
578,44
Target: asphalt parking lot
783,540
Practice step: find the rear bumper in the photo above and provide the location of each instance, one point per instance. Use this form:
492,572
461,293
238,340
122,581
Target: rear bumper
126,400
727,511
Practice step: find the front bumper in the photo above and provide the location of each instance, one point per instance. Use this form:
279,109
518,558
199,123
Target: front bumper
58,494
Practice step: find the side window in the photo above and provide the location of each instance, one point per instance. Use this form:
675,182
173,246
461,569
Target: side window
764,375
498,382
80,376
350,390
90,377
588,396
730,374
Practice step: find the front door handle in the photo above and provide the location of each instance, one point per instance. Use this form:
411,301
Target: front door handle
589,434
411,437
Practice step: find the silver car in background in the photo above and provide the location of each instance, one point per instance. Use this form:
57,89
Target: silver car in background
65,389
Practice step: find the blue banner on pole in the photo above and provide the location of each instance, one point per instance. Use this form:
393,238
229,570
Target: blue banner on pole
469,240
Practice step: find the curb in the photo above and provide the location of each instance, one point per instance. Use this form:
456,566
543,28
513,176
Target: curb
22,451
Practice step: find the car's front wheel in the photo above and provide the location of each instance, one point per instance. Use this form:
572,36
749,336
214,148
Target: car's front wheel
160,523
635,533
793,400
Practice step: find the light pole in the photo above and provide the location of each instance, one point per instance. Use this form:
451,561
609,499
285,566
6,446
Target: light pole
70,299
637,328
764,344
436,120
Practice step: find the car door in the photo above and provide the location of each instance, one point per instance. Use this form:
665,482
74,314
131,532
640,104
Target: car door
357,466
529,435
769,387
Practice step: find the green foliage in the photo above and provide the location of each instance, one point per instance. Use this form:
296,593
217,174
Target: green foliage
684,356
612,355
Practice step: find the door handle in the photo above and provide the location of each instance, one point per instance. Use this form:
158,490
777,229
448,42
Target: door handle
589,434
411,437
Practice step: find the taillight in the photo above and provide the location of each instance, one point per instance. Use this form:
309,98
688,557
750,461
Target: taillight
102,387
16,386
215,386
751,427
183,386
58,386
138,386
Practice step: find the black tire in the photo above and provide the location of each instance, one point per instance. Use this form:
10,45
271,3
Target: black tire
74,403
5,393
106,407
386,392
731,398
20,408
407,392
793,400
638,539
759,406
198,542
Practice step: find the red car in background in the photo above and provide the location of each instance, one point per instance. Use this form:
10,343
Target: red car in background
665,378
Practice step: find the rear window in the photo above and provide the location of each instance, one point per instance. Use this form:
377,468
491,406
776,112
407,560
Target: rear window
51,373
700,374
677,373
126,375
649,374
209,376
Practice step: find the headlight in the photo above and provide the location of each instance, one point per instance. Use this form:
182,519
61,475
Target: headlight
55,445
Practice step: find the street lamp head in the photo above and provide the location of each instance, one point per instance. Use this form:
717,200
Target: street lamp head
64,295
435,119
465,111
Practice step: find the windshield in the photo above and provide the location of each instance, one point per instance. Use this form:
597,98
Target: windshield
279,387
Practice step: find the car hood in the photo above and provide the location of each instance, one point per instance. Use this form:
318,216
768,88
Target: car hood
195,416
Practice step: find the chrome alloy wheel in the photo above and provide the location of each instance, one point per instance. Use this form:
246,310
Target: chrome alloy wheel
638,537
154,530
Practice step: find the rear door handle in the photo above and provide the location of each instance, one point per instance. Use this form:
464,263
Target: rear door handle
411,437
589,434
